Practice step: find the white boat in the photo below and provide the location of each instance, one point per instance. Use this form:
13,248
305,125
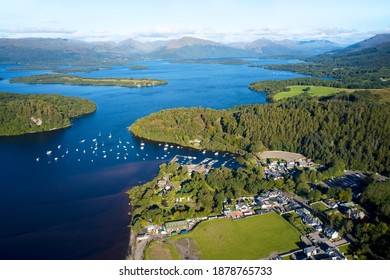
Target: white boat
56,158
194,157
48,153
59,146
132,147
37,159
165,148
142,144
171,147
109,136
94,140
166,145
216,153
104,156
84,151
82,141
125,158
190,157
142,147
77,149
204,152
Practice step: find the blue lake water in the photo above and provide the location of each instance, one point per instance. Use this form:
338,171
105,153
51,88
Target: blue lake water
71,204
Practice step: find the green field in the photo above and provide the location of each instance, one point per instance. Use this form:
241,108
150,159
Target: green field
247,239
314,91
161,251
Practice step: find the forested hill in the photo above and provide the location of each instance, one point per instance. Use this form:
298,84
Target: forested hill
343,127
22,113
363,65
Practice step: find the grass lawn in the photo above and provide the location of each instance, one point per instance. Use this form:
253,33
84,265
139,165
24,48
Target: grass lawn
319,206
314,91
250,238
346,250
161,251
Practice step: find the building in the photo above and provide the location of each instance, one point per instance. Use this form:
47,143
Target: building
331,233
311,251
176,226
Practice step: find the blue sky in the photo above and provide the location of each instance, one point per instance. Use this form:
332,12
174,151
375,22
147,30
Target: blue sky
219,20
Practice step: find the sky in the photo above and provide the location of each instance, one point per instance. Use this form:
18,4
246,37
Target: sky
219,20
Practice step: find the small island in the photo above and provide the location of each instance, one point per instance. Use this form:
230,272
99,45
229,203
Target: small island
30,113
83,81
138,67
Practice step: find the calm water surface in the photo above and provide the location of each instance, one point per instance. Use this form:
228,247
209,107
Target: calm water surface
71,204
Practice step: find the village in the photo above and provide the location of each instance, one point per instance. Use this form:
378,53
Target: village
319,239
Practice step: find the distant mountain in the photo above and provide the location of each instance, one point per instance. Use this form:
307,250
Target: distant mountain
374,51
267,47
48,51
43,50
376,42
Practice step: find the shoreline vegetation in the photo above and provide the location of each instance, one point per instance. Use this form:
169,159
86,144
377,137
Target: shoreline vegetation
321,128
22,114
83,81
138,67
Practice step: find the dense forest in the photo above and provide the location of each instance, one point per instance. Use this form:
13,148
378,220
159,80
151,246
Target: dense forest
345,127
83,81
22,113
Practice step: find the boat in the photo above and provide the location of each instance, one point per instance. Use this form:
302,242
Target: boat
165,148
132,147
37,159
216,153
109,136
82,141
59,146
142,144
194,157
77,149
56,158
94,140
48,153
104,156
142,147
204,152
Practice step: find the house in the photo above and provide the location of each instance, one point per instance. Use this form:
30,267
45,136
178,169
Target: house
161,183
318,228
290,165
265,204
335,254
235,215
302,164
330,203
274,193
176,226
311,251
142,236
302,212
331,233
311,221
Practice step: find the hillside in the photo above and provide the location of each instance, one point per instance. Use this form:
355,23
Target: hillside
339,128
21,114
365,65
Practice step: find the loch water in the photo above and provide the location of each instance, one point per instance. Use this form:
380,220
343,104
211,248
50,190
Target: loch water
71,204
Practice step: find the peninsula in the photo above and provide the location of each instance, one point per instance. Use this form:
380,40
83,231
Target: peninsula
22,113
83,81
